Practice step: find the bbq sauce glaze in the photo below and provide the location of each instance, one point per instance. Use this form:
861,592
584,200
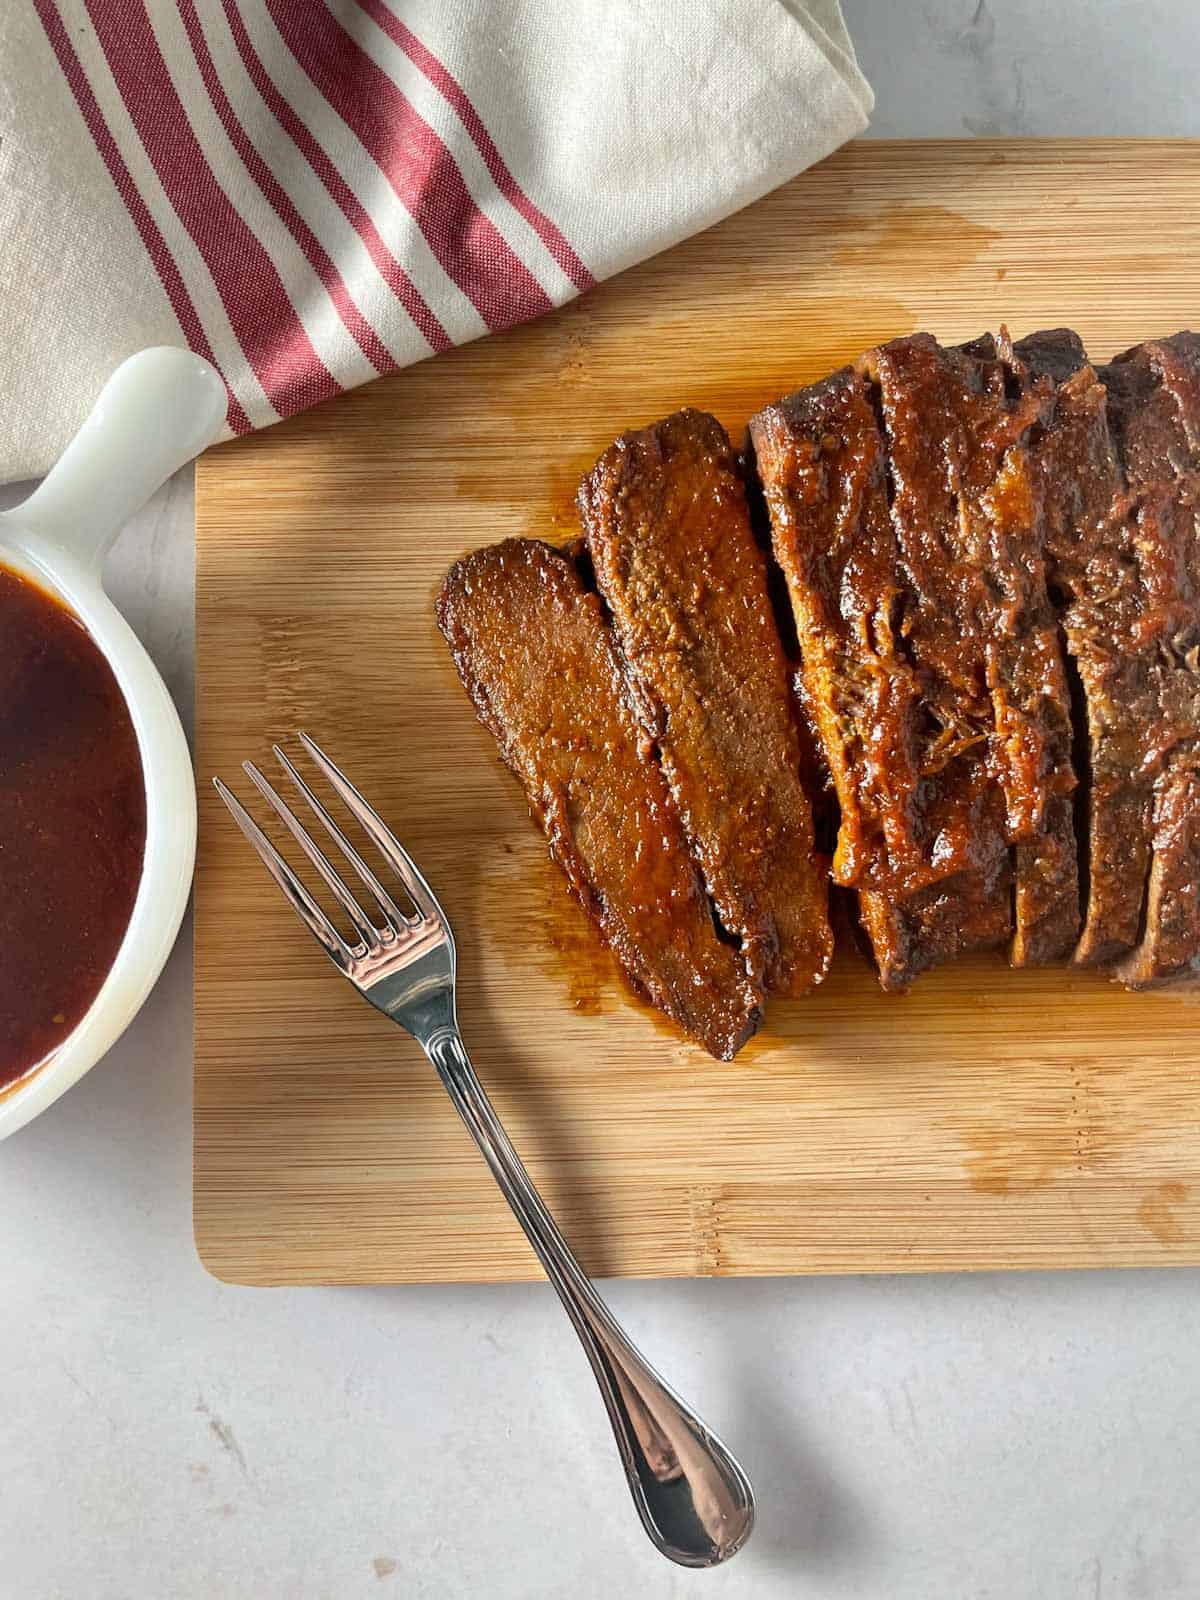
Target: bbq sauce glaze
72,823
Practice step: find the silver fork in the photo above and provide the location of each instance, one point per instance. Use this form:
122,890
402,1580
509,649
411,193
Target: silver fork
694,1500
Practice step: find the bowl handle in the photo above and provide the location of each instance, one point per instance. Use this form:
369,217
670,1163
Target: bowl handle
160,408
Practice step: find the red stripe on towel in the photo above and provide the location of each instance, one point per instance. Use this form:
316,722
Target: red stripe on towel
318,258
259,309
457,98
155,245
390,270
417,164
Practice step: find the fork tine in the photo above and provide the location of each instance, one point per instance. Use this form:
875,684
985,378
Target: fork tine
305,907
395,918
402,863
304,839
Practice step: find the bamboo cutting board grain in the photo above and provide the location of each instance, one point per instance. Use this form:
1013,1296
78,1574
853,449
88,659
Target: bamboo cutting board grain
989,1119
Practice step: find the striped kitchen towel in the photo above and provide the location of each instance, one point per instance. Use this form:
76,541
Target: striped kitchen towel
314,192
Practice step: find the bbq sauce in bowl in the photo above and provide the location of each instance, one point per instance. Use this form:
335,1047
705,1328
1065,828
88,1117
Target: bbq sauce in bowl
72,823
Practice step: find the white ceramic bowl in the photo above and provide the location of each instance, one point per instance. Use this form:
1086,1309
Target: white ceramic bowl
158,410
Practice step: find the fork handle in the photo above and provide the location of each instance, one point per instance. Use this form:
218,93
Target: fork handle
693,1498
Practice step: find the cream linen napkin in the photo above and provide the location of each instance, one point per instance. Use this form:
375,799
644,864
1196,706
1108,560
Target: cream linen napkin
314,192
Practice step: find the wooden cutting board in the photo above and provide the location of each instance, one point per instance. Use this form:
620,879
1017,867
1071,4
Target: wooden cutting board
988,1119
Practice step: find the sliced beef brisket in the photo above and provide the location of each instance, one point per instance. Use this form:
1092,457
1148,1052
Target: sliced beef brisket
1121,462
992,558
665,518
968,516
906,518
1154,412
535,655
819,456
1122,480
1093,571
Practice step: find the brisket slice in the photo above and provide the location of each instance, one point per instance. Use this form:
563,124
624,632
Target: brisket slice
1051,871
906,518
534,653
1123,454
1154,412
1093,571
1026,659
665,518
819,457
968,516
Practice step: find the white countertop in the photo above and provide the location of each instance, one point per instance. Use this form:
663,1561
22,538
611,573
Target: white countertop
164,1437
